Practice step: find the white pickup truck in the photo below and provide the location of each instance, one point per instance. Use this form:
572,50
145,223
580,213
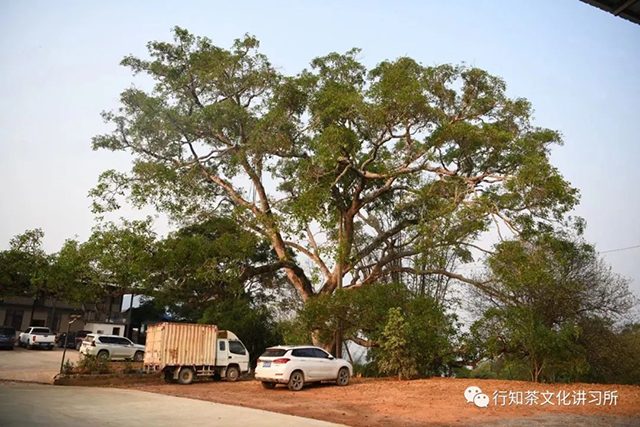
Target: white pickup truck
36,336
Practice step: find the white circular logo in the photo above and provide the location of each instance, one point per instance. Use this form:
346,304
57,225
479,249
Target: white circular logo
481,400
471,392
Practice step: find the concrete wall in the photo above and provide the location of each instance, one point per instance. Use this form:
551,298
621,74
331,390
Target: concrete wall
41,314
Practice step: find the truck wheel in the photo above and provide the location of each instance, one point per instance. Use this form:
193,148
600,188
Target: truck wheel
167,376
139,356
103,354
233,373
50,348
343,377
186,376
268,385
296,381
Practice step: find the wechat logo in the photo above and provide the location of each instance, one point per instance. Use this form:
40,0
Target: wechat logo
475,395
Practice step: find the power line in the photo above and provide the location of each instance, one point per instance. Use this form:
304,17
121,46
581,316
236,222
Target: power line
620,249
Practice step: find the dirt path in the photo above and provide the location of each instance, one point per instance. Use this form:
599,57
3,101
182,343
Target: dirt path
439,401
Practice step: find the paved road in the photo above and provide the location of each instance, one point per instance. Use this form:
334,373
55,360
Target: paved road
33,365
24,405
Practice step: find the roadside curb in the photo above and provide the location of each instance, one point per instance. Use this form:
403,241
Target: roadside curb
104,379
11,381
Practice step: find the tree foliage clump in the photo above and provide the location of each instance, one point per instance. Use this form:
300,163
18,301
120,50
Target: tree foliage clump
362,316
24,267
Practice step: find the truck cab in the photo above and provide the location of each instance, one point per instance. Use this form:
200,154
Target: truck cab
231,353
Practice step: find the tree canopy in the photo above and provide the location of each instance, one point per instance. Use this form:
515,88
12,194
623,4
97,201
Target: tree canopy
347,172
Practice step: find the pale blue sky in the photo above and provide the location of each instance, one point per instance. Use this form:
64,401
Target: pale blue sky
579,66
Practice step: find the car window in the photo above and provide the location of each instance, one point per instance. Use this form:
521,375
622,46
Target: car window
106,340
27,331
321,354
302,352
41,331
123,341
236,347
7,331
274,352
223,347
88,338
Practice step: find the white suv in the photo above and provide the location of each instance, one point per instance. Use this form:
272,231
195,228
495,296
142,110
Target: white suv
112,347
298,365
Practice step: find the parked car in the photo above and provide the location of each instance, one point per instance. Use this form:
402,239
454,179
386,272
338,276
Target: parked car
111,347
37,336
7,337
78,337
298,365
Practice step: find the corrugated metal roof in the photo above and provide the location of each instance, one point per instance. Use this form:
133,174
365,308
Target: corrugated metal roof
627,9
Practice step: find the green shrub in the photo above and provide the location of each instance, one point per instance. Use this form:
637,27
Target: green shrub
68,367
93,365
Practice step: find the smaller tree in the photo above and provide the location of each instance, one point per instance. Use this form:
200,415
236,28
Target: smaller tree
544,288
394,354
525,344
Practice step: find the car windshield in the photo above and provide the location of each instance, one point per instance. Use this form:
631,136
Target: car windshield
41,331
7,331
274,352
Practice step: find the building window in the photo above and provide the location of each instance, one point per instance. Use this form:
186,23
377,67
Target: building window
116,331
13,318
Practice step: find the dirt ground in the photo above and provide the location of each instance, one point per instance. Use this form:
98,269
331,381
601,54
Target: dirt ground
438,401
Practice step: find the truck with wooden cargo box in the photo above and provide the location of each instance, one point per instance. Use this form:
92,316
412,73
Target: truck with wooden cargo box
184,351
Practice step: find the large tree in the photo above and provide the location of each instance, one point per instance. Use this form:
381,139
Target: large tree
363,173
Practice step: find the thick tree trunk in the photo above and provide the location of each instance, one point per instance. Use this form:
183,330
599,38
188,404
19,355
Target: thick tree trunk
328,346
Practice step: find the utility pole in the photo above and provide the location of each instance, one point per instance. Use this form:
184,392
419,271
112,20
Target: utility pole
73,318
